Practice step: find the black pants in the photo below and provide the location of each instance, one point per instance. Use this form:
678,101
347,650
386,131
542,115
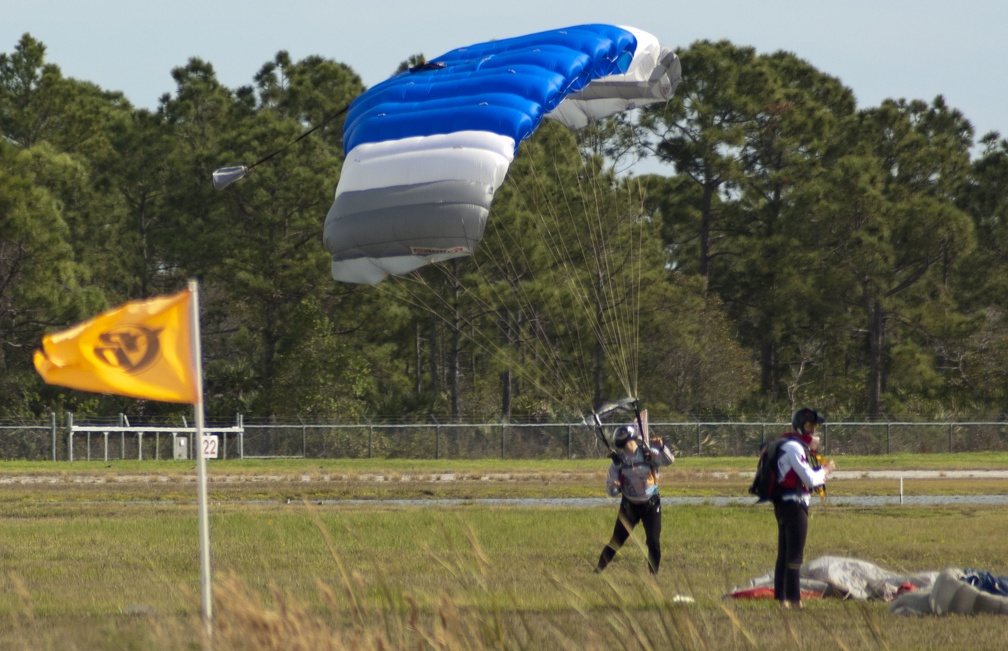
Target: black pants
627,518
792,529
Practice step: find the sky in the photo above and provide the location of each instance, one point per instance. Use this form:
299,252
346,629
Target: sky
913,49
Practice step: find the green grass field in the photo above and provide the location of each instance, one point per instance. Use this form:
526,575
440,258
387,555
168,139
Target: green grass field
105,556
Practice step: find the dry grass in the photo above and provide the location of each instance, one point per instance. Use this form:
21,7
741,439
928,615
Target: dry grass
83,568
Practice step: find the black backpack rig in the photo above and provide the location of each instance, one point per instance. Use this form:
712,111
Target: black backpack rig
766,483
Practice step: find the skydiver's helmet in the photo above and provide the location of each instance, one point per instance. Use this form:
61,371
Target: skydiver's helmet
623,434
805,415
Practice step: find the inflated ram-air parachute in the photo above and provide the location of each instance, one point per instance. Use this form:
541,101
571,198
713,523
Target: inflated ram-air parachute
427,149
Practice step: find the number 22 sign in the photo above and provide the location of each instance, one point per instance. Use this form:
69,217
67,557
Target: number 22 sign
210,446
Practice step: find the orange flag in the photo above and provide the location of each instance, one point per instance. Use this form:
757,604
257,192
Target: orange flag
143,349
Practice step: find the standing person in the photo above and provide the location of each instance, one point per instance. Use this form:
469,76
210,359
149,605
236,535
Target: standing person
634,474
800,473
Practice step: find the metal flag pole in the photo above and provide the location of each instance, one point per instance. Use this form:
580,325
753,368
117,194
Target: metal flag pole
201,480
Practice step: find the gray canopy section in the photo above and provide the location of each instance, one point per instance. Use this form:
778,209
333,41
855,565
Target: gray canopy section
955,592
404,227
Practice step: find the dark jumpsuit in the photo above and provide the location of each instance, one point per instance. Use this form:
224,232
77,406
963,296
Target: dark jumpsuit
635,477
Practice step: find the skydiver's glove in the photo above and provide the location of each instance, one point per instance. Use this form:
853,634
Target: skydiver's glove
615,457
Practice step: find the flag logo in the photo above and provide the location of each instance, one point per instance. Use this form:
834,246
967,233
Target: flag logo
131,348
143,349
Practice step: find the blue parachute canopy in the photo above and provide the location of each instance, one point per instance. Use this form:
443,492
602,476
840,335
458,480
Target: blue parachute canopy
427,149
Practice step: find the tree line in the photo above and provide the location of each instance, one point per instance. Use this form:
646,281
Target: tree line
795,248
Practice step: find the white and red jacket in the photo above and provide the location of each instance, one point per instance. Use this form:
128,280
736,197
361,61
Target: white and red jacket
799,477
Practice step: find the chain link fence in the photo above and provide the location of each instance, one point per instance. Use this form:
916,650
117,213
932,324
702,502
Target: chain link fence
116,439
575,441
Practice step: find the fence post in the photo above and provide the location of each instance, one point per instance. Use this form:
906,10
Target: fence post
888,437
503,436
53,430
69,436
950,436
568,441
370,440
698,444
437,441
122,441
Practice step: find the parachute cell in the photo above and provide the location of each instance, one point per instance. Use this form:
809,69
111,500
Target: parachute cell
427,149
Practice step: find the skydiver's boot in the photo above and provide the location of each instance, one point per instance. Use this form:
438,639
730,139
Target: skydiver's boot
608,552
